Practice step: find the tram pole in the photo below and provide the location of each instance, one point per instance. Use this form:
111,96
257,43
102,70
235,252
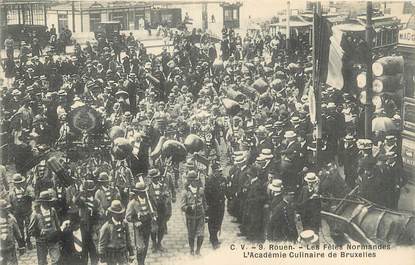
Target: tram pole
73,16
369,77
316,79
287,33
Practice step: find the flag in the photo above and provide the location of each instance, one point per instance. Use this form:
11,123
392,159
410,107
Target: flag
337,51
335,61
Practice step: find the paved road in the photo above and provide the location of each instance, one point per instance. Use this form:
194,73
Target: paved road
175,241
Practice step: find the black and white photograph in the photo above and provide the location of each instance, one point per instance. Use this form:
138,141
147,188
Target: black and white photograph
207,132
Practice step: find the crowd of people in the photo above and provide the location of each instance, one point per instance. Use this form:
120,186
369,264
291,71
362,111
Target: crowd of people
97,138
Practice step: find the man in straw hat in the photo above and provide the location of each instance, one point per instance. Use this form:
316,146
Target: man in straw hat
20,198
235,184
9,234
44,226
142,213
309,203
194,205
90,213
159,190
106,193
115,246
348,157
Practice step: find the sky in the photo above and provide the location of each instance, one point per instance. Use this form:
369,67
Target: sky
267,8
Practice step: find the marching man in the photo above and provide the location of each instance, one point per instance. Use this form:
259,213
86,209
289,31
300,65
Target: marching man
160,192
141,212
114,246
20,198
194,205
105,194
44,226
9,234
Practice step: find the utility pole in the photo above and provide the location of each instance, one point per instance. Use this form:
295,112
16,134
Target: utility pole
369,77
316,77
204,17
73,16
287,34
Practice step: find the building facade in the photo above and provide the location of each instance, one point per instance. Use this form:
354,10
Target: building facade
84,16
21,17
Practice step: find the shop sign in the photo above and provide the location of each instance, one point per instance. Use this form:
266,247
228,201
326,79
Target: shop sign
407,37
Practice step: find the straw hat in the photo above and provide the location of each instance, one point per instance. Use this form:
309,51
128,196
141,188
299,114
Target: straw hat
45,196
191,175
307,237
116,207
311,177
140,187
152,173
17,178
275,185
290,134
266,153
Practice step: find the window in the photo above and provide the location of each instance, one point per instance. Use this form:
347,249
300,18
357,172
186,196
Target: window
388,36
139,18
378,38
384,37
235,14
27,18
121,17
395,35
166,17
38,15
12,15
62,21
94,20
228,14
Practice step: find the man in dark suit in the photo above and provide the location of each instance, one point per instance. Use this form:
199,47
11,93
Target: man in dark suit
395,173
289,161
282,223
348,158
215,198
309,203
256,198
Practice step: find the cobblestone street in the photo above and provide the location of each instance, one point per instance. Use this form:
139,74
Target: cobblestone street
175,242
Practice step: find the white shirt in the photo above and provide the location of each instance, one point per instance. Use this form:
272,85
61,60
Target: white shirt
141,200
115,221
